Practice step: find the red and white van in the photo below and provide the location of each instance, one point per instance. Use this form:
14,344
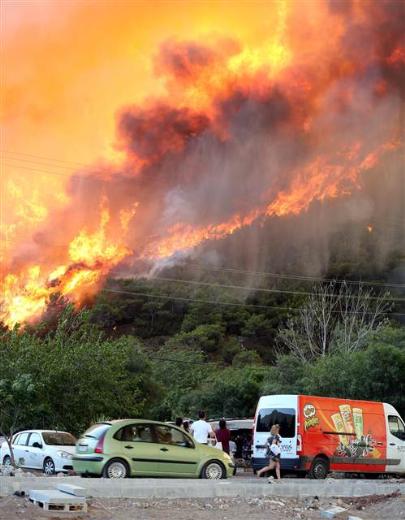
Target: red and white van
322,434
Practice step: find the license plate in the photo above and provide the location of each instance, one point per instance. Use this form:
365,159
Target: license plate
82,448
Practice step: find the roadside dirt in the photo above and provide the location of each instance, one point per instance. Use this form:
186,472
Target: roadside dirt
367,508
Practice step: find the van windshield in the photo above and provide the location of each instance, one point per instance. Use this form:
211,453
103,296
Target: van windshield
285,417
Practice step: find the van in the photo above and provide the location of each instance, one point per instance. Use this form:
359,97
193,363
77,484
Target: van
322,434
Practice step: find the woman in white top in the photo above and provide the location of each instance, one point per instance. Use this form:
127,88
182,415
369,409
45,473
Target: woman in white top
273,451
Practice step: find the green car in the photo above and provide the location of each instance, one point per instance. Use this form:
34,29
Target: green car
136,447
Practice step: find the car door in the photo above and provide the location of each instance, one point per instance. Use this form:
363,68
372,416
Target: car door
20,450
35,455
137,443
395,444
178,456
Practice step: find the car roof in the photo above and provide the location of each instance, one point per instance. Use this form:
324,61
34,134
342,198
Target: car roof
123,422
41,431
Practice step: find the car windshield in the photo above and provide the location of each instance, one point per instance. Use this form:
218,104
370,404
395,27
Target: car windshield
58,439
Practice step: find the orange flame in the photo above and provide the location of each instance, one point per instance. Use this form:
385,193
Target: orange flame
90,257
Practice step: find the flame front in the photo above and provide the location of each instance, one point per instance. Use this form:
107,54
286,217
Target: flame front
286,105
90,257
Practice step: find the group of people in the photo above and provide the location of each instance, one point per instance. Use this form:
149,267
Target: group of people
203,432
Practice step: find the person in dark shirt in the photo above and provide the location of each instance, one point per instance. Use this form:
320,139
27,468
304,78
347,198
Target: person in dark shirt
223,435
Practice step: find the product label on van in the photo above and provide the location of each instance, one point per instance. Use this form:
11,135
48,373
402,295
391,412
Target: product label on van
311,419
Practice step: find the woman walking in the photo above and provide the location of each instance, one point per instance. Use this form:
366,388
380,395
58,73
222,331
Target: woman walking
273,452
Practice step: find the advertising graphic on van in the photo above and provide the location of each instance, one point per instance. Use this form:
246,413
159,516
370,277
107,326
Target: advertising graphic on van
355,432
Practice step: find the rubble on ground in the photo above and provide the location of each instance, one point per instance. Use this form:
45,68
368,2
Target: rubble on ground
311,508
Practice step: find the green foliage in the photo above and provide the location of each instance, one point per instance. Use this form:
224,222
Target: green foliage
246,358
205,338
75,375
376,374
178,373
232,392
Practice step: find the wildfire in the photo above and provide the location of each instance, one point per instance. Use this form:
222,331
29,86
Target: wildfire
90,257
249,120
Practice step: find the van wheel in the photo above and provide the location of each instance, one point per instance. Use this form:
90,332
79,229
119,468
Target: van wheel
319,468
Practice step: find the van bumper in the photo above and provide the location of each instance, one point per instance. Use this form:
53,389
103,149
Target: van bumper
291,464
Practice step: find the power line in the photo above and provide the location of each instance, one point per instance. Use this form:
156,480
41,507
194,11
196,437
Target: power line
197,300
296,276
44,172
36,163
205,363
42,158
260,289
232,304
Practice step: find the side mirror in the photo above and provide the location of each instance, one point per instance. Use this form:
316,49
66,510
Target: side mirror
37,445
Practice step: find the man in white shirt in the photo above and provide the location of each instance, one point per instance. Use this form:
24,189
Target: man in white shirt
201,429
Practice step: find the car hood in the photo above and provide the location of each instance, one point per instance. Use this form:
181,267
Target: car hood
209,451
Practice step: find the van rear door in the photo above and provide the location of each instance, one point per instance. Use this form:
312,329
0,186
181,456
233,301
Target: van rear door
282,410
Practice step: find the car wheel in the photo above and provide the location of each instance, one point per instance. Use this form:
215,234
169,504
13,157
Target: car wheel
116,468
49,466
7,461
213,470
319,468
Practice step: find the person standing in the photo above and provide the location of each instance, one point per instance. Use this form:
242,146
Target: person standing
223,435
179,422
202,430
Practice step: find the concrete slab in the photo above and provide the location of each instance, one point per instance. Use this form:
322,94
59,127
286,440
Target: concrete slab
190,488
48,495
332,511
57,502
71,489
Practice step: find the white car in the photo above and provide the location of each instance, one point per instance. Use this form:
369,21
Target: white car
48,450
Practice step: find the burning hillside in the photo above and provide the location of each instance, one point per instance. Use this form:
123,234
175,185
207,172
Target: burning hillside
239,133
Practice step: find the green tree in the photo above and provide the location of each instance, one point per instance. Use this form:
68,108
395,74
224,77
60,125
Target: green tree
79,375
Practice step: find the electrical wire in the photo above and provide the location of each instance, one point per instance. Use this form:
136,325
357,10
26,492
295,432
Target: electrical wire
232,304
259,289
42,158
295,276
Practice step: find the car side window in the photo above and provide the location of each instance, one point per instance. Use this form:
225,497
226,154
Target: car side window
15,439
34,437
135,433
396,426
173,436
22,440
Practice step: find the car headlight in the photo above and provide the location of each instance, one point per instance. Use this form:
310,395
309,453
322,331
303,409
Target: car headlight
64,454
